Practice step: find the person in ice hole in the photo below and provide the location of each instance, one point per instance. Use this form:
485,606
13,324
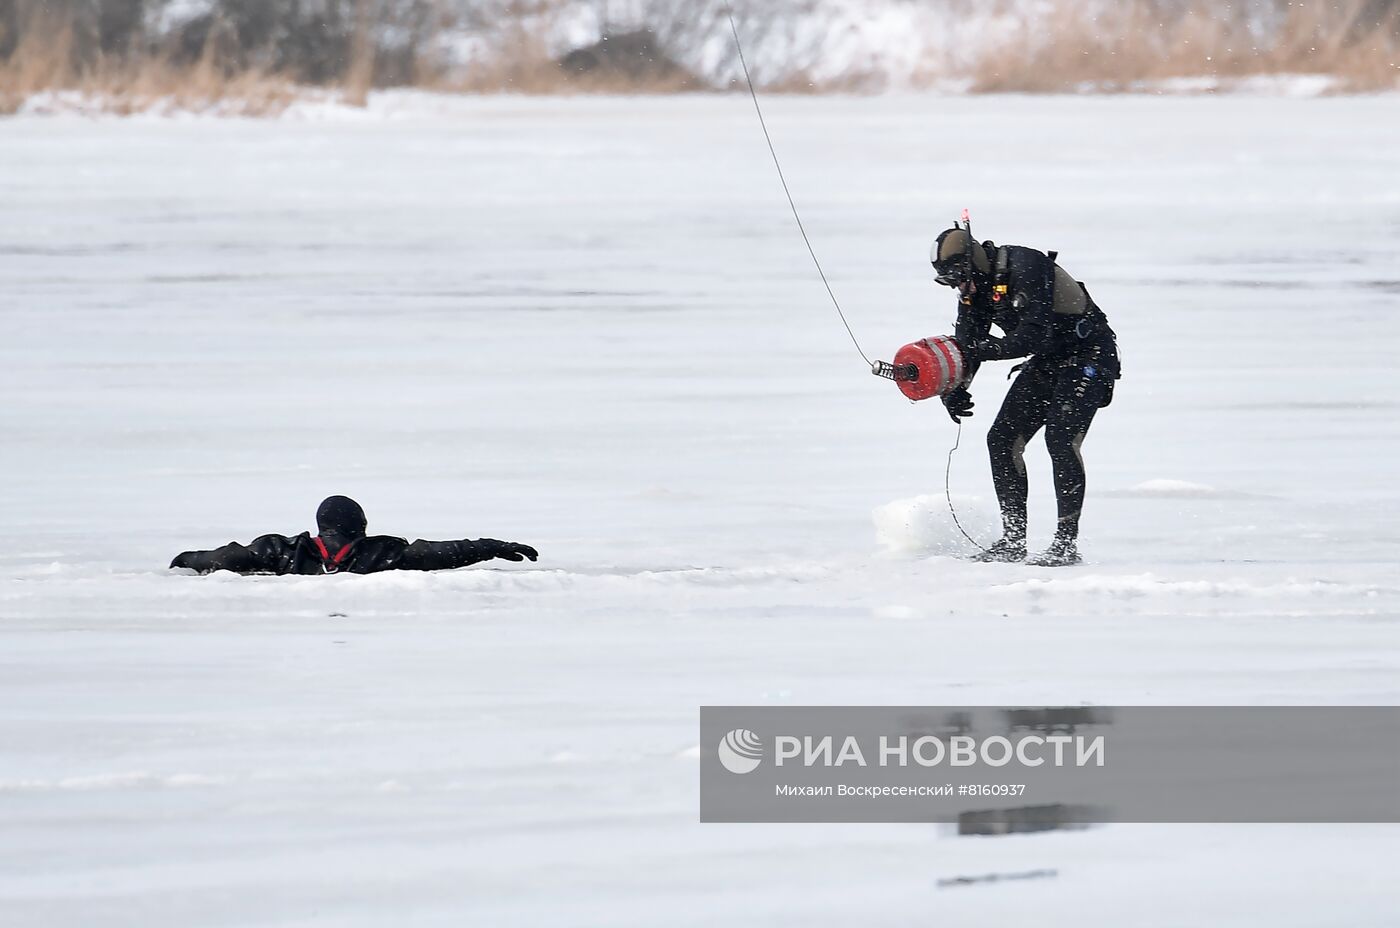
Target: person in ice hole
341,546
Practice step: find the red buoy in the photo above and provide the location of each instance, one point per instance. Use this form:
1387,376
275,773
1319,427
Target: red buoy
936,363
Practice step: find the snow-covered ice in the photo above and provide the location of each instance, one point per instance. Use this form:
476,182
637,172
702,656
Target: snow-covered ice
589,324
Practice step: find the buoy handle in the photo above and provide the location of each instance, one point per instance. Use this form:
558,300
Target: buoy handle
895,372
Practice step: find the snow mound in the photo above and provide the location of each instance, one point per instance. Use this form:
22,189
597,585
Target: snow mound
924,526
1146,585
111,781
1176,489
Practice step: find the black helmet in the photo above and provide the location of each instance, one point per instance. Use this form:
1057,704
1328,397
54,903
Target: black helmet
340,520
956,256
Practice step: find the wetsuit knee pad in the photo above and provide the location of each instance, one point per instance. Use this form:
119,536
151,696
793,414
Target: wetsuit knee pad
1002,438
1064,442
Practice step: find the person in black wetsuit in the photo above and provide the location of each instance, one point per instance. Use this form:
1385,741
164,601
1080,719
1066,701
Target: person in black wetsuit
1050,318
343,546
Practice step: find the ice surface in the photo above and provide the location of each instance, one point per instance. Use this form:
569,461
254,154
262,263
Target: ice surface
589,324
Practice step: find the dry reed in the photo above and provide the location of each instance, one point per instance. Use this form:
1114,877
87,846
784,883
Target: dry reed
45,59
1129,49
1123,47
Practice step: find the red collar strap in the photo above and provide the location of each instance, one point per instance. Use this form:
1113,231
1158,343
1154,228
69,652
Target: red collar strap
326,555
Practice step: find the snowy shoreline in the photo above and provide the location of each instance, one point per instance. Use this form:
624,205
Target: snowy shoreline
311,104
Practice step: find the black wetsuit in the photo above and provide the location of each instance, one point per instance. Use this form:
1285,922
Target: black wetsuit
343,546
1073,361
301,554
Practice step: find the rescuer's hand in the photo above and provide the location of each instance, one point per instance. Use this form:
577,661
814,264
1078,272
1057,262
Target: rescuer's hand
511,551
958,403
975,351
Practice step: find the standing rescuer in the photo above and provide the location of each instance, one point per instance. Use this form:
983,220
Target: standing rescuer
1048,317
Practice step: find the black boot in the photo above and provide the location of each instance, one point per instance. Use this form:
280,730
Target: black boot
1010,548
1006,550
1063,552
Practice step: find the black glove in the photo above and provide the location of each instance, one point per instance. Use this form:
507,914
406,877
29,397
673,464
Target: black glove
510,551
975,351
959,404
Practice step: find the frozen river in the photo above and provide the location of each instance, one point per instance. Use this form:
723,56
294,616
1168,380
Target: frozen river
590,325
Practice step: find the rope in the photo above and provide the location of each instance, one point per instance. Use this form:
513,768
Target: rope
948,491
729,12
748,78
